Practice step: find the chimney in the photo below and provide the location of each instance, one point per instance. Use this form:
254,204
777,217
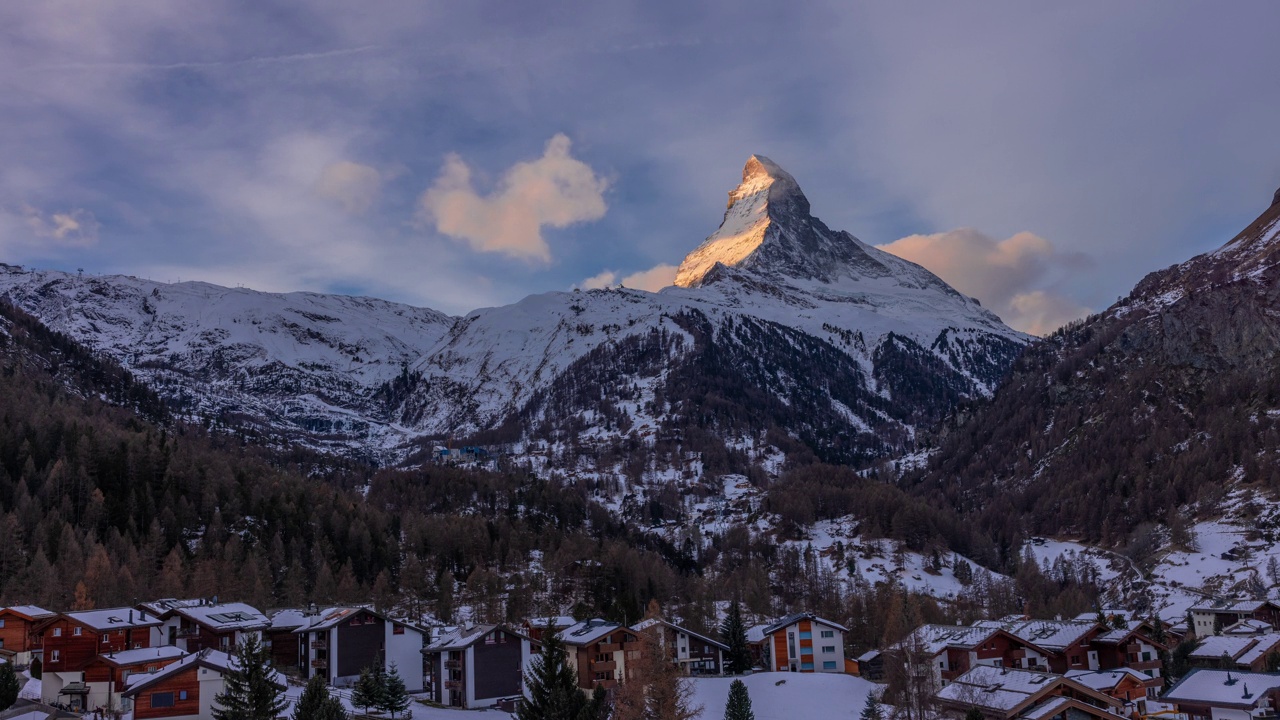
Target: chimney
131,617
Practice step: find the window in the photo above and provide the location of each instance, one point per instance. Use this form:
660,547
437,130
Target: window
1,643
1,622
182,694
57,655
57,632
162,700
76,631
105,638
829,665
828,648
828,634
399,630
1075,659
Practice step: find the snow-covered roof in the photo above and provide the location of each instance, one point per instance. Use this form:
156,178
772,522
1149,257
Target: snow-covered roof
226,617
936,638
1215,646
461,638
797,617
114,618
558,622
1006,690
30,612
589,631
1265,645
1046,709
1103,680
288,619
1050,634
1247,626
165,607
646,624
1223,688
209,658
140,656
755,633
868,656
329,617
1231,606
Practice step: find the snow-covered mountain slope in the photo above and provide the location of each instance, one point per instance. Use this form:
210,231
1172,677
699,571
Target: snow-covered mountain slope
776,323
299,361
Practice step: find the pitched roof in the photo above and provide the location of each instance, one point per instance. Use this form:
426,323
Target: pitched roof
1050,634
589,631
755,633
1215,646
213,659
645,624
1223,688
113,618
461,638
1103,680
558,622
1008,690
165,607
797,617
936,638
28,612
226,617
140,656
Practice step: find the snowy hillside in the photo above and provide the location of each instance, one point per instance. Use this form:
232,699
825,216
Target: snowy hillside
788,696
836,343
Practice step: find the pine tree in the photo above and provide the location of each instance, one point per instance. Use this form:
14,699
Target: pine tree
368,690
739,705
734,634
974,714
10,686
598,707
553,692
249,690
871,709
316,703
395,696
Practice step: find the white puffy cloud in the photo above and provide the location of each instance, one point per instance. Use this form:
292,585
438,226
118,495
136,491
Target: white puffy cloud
1013,277
555,190
31,228
651,280
354,187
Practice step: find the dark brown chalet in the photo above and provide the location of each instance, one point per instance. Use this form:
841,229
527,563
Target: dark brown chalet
600,652
106,676
1134,649
949,651
194,625
18,641
73,640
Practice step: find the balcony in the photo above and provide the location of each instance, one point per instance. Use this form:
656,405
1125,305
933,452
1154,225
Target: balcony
320,663
319,644
610,647
188,632
452,684
453,664
608,666
1148,665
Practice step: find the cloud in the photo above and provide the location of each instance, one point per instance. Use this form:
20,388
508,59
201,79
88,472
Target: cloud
1013,277
556,190
33,228
352,185
651,280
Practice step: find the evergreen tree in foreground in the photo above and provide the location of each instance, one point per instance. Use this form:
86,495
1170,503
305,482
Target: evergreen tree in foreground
249,686
734,634
739,705
871,709
10,686
395,696
316,703
369,690
553,692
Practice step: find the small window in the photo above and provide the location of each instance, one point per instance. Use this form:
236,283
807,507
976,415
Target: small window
182,694
57,632
1,643
162,700
76,631
828,633
829,665
828,648
57,655
397,629
105,638
1,622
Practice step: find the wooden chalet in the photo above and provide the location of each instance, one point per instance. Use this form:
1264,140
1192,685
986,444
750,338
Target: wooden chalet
184,690
19,643
73,640
600,652
1204,694
194,625
1001,693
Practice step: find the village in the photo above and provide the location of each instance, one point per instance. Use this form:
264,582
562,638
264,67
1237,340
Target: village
170,659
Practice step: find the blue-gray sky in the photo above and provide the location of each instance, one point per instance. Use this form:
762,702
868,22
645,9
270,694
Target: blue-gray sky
463,154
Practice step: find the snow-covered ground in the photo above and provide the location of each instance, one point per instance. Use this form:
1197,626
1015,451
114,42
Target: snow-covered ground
788,696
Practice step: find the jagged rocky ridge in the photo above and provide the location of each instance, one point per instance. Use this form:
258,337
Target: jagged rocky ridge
777,325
